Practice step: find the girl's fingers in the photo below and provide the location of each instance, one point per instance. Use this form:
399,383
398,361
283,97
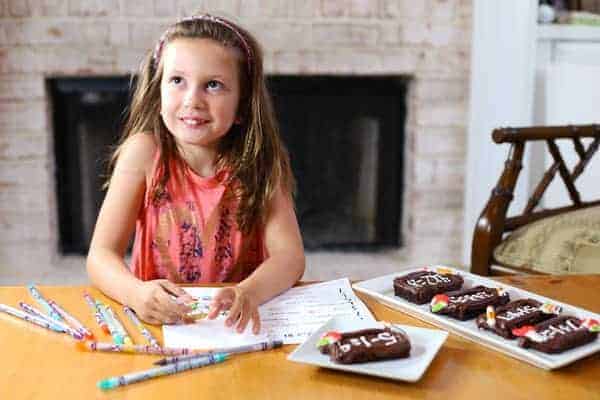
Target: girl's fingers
220,302
181,296
170,309
255,322
152,320
171,288
214,310
163,313
235,311
244,318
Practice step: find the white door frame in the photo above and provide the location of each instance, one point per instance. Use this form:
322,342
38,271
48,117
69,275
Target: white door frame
501,94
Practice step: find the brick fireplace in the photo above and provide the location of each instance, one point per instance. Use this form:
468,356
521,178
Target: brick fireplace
426,43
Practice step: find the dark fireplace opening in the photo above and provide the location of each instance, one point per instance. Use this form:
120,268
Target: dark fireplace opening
88,114
345,135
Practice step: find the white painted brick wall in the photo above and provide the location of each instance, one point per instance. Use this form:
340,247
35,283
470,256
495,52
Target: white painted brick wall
283,35
354,35
18,8
435,141
94,8
426,200
128,60
438,113
22,197
428,40
119,33
164,8
294,62
28,172
259,9
401,60
225,7
409,9
364,8
49,8
23,116
23,145
143,35
20,87
140,8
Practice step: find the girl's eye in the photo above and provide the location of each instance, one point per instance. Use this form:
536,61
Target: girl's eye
214,85
176,80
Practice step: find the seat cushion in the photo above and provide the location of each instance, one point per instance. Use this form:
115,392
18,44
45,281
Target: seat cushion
568,243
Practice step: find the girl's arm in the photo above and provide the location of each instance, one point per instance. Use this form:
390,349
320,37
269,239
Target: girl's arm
285,263
280,271
114,227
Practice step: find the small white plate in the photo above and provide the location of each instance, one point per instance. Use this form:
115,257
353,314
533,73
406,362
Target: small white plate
424,343
382,289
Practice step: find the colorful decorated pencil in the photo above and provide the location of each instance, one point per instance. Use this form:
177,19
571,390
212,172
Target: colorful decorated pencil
66,328
114,332
99,319
74,322
145,332
44,323
114,324
111,383
133,349
267,345
43,302
200,308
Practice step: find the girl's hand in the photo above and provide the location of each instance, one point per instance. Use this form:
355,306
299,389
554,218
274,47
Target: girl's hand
154,303
241,305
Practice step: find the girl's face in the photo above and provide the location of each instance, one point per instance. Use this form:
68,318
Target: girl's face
200,91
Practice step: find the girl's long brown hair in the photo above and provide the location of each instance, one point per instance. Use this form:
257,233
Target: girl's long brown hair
252,151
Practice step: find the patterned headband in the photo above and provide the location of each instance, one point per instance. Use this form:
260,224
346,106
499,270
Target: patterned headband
203,17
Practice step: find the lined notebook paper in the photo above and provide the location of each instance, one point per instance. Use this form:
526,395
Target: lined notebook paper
290,317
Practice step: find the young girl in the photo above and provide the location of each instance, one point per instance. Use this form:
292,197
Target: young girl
202,176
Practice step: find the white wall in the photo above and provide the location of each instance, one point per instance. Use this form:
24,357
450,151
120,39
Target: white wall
502,82
571,94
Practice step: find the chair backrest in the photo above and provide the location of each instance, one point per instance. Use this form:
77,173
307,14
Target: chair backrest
493,223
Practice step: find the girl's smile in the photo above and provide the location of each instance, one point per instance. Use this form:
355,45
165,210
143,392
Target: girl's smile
200,92
194,122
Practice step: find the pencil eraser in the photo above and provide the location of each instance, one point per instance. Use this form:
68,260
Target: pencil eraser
108,384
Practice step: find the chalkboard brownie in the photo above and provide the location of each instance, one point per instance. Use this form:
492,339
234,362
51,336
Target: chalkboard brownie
558,334
502,320
365,345
468,303
420,286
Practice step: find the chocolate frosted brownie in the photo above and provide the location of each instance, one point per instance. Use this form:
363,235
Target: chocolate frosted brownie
504,319
558,334
419,287
468,303
365,345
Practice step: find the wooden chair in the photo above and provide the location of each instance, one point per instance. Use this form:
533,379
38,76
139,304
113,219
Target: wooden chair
493,223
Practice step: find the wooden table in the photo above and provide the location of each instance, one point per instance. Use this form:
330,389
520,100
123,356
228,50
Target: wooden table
40,364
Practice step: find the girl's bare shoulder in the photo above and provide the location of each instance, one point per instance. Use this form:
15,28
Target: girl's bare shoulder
137,153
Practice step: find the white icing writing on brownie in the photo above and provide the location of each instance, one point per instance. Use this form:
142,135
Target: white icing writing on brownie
471,297
518,312
428,280
362,340
561,329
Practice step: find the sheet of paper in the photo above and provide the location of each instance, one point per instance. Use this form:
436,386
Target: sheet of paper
295,314
290,317
206,334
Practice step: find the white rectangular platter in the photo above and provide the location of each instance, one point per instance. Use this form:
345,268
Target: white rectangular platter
382,289
424,343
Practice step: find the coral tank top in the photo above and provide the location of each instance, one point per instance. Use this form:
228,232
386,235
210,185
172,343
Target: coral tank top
189,232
